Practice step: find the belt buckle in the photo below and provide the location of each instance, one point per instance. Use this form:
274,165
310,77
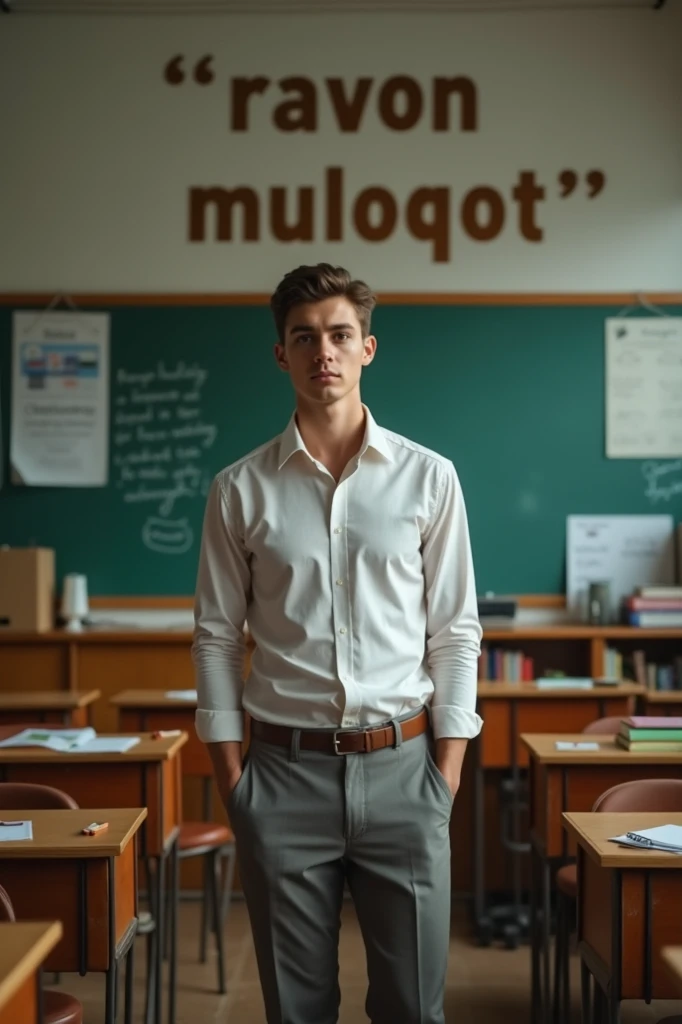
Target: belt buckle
339,753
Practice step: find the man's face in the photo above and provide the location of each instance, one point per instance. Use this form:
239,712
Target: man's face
324,350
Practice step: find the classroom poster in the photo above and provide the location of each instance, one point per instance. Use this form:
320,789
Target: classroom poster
644,387
59,433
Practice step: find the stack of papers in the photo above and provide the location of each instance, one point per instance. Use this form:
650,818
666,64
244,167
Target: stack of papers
667,838
81,741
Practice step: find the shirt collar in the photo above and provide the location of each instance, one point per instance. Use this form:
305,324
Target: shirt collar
291,440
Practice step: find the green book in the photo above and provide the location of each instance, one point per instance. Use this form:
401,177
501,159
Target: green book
652,734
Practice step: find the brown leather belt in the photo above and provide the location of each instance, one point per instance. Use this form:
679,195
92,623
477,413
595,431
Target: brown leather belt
342,741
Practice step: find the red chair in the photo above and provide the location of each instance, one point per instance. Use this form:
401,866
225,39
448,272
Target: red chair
28,796
59,1008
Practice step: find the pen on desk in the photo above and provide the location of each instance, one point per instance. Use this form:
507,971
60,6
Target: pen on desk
5,824
640,839
161,734
96,826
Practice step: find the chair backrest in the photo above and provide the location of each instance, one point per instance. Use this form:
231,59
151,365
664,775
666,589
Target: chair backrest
28,796
605,726
6,908
642,795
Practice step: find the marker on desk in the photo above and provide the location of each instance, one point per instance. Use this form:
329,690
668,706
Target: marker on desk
162,734
6,824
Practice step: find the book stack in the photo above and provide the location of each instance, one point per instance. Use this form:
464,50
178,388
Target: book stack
655,608
650,733
496,665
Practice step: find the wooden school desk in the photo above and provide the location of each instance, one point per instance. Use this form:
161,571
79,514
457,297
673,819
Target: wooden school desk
571,781
509,709
147,710
628,909
672,958
89,883
67,708
661,702
23,948
148,775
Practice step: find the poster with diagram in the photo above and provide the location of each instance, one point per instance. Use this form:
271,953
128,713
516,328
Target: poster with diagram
59,434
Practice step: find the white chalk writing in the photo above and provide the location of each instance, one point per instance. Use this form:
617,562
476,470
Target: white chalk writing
663,480
161,439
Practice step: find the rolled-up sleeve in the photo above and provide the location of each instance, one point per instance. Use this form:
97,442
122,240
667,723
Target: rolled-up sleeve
221,601
454,632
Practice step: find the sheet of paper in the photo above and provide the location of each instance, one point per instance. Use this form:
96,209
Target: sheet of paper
624,551
59,434
181,694
13,833
644,387
108,745
578,745
659,837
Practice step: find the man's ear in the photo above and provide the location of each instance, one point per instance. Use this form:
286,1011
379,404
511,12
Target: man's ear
370,347
281,357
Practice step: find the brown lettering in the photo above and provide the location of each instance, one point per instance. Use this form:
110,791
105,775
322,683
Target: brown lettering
470,213
298,115
224,201
415,102
443,88
436,228
349,112
302,230
388,208
242,89
334,204
527,193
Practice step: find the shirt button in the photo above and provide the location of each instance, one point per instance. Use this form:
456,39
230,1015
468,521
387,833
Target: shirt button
337,529
342,630
339,583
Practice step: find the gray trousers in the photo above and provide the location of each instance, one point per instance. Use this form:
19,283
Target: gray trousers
305,824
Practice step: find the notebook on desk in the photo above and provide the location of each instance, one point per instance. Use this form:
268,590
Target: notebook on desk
80,741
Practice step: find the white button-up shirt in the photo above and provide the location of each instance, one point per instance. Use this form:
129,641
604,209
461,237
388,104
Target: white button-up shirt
359,595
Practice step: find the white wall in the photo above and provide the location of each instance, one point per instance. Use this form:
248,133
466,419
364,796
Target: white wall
98,152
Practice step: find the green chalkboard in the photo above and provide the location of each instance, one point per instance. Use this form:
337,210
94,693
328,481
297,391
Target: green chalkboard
513,395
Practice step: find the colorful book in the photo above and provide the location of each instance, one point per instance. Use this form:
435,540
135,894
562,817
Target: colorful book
653,722
660,746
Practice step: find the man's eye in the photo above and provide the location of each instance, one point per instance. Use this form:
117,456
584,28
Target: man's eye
342,337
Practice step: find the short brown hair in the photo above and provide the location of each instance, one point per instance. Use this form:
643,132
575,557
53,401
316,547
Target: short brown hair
313,284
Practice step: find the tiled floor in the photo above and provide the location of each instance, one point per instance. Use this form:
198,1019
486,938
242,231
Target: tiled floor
485,986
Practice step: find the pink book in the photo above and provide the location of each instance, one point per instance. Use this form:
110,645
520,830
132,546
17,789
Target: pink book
646,722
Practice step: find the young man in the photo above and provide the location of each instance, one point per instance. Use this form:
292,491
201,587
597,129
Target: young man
346,548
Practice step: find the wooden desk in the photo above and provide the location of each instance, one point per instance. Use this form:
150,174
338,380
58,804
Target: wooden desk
509,709
148,775
24,946
143,710
628,909
562,781
89,883
661,702
672,958
68,708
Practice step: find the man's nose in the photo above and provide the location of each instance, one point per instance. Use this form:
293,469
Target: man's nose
325,351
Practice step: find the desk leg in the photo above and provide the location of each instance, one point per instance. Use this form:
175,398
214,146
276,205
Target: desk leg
173,930
130,971
585,992
545,917
613,994
110,992
534,936
159,908
482,924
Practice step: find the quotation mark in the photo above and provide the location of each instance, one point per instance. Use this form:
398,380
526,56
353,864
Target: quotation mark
174,72
569,179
